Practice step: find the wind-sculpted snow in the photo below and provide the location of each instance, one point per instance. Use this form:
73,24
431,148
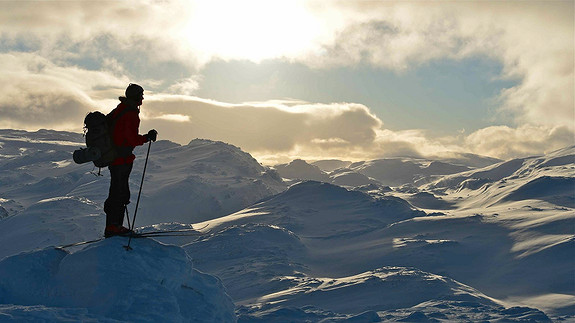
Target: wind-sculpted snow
494,243
250,258
19,142
428,200
151,283
272,273
382,289
556,190
559,161
376,293
327,213
345,232
54,221
475,179
555,164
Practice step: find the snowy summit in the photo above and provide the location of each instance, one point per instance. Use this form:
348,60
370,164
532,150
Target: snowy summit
390,240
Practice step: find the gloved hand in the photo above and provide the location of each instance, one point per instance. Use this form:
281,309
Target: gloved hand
151,135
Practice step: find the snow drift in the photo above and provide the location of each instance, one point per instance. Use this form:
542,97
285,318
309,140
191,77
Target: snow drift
382,291
151,283
52,221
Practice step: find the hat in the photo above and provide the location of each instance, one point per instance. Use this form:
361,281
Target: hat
134,91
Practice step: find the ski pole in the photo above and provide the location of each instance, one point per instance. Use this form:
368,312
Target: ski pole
139,193
127,215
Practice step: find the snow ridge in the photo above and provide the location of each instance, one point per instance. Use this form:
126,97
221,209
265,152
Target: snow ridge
413,240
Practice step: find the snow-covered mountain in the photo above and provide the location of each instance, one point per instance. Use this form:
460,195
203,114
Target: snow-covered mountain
492,243
400,171
548,178
329,165
298,169
353,239
202,180
350,178
386,172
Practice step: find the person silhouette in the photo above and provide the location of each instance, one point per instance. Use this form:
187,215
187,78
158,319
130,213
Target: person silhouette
126,137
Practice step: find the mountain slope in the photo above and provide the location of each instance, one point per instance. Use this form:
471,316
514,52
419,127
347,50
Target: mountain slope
547,178
210,178
400,171
394,294
336,233
203,180
388,172
299,169
490,243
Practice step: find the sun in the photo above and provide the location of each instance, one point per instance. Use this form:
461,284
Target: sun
251,29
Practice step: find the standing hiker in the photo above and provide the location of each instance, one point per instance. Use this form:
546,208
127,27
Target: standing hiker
126,137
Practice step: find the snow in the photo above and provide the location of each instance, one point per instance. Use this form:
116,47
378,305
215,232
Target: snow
459,238
385,289
348,178
55,221
151,283
211,178
331,164
390,171
400,171
201,181
299,169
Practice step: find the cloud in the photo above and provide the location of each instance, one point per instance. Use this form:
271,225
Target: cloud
39,94
279,131
60,60
533,40
263,127
186,86
505,142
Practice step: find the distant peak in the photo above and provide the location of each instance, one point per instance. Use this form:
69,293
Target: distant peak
208,142
296,162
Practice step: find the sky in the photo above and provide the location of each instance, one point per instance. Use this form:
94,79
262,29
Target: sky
351,80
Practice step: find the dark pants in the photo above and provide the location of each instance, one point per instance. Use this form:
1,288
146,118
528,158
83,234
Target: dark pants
119,195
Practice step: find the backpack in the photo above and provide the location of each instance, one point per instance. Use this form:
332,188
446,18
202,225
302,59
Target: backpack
98,130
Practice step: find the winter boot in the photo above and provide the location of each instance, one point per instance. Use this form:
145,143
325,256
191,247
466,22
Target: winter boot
116,230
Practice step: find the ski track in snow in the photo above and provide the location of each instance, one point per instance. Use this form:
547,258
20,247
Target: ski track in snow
401,239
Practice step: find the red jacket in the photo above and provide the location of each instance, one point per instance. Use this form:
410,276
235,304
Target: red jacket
126,132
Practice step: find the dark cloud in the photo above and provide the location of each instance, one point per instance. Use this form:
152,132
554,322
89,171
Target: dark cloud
38,109
39,94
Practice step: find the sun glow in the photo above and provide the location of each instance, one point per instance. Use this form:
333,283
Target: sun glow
251,29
